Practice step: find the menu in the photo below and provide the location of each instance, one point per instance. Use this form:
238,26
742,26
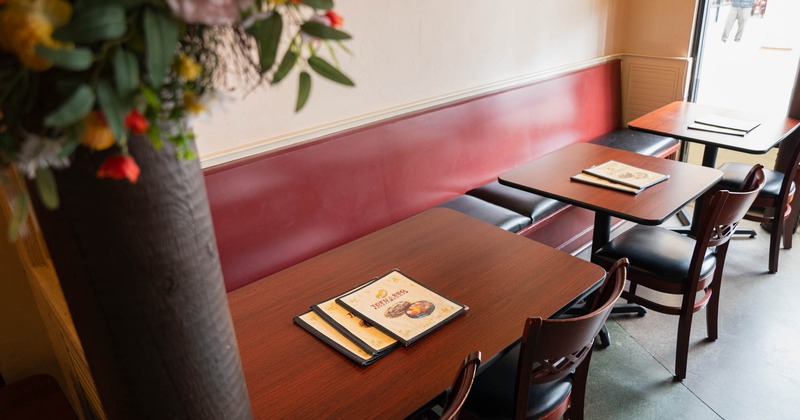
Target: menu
602,182
312,323
736,124
371,320
360,332
625,174
724,125
401,307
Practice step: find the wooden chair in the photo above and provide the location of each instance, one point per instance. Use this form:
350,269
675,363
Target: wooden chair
551,364
671,263
461,386
773,204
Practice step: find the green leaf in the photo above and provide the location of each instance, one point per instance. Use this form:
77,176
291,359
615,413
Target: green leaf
326,70
267,34
319,4
46,186
161,40
150,97
77,59
96,23
303,91
126,73
323,31
112,108
73,109
288,62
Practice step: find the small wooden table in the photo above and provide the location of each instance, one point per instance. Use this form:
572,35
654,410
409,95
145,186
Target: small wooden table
550,175
502,277
673,120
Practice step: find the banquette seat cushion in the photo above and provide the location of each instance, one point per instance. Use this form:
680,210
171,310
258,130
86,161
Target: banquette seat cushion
502,205
522,202
488,212
637,141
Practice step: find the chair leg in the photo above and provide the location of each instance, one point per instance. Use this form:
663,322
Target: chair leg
790,226
684,331
603,338
712,309
775,243
632,290
712,313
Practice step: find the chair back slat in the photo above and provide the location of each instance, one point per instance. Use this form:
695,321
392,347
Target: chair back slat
725,209
554,348
461,386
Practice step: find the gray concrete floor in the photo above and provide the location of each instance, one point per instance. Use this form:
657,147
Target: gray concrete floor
752,371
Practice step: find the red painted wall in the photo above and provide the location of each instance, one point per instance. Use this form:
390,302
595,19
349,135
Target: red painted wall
276,209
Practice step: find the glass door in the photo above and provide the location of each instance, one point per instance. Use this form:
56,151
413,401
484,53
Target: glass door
747,53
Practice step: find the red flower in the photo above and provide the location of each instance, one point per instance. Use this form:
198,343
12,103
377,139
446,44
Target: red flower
136,122
335,19
119,167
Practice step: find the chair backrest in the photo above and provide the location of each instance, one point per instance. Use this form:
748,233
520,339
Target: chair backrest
461,386
553,348
789,167
723,211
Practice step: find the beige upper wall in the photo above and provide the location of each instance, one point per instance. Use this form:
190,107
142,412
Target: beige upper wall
661,28
413,53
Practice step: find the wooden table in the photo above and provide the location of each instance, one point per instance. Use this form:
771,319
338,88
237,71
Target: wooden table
673,120
502,277
550,175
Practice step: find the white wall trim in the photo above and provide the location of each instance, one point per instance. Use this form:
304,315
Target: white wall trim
311,133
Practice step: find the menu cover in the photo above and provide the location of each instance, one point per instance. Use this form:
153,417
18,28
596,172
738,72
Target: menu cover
360,332
602,182
401,307
312,323
715,129
737,124
626,174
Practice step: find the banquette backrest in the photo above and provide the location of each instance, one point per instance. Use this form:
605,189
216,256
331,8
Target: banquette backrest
281,207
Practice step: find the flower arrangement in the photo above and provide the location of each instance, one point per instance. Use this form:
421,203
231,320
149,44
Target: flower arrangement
91,73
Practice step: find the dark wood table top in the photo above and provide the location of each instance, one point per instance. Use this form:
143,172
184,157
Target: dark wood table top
673,120
502,277
550,175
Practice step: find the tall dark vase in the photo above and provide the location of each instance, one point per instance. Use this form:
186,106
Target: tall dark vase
139,267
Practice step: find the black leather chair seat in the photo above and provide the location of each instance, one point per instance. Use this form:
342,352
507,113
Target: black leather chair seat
492,395
488,212
655,252
636,141
520,201
733,174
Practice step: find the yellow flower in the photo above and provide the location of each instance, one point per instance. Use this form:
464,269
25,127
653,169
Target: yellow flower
188,69
97,134
25,24
192,103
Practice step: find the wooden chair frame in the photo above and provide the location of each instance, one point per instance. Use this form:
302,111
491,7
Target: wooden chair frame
779,210
553,348
722,212
461,386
